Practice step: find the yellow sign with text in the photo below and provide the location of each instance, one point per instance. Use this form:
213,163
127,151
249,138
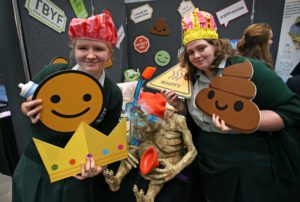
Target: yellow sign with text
172,79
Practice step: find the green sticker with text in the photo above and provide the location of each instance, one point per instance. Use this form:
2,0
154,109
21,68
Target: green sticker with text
79,8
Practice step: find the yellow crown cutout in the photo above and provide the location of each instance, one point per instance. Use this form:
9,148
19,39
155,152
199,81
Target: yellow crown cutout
61,163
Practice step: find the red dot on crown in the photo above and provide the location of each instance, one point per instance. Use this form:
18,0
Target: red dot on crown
120,147
72,161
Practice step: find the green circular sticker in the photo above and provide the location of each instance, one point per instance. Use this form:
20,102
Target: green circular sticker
162,58
131,75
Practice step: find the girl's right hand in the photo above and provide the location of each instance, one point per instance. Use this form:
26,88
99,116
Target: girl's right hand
171,97
32,109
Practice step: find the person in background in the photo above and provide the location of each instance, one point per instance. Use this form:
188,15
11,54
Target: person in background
234,166
92,42
294,84
294,81
256,43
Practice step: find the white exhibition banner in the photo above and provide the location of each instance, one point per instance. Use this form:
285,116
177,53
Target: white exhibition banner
48,13
288,55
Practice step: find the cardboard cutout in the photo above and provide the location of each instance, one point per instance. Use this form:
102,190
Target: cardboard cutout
69,97
71,101
229,97
65,162
172,79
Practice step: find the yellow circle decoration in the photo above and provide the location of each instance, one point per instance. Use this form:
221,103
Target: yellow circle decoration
68,98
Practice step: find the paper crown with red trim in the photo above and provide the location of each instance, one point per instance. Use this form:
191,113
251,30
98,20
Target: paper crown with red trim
153,103
64,162
198,25
99,27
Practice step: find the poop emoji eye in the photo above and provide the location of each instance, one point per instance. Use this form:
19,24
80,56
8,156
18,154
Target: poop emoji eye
87,97
55,99
211,94
238,106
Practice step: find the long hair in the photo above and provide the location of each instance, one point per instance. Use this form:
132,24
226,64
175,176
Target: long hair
254,43
223,50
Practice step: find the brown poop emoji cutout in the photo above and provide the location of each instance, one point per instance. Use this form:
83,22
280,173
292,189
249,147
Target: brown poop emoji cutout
160,28
229,96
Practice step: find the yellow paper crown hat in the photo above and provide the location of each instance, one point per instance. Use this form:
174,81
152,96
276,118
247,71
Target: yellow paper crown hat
198,25
61,163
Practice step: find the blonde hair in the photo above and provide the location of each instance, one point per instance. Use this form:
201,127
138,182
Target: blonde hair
254,43
223,50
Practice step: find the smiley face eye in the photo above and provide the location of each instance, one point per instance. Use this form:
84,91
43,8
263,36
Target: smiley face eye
55,99
87,97
238,106
211,94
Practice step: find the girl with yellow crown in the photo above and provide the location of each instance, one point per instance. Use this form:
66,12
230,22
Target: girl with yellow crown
232,165
92,42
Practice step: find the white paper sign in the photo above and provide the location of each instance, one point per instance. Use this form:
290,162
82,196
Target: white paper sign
186,8
231,12
48,13
121,35
141,13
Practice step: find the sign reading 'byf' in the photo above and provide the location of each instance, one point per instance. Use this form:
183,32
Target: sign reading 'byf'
141,44
48,13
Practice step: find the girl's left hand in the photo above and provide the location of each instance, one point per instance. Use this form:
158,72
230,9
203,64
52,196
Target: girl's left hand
89,169
220,124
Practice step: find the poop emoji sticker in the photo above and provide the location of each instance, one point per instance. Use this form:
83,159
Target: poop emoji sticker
68,98
160,28
230,97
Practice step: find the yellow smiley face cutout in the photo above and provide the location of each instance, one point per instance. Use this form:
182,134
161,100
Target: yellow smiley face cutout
68,98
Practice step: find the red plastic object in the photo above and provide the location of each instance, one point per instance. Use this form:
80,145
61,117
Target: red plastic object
149,160
148,72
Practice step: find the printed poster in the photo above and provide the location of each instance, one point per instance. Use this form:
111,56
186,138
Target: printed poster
288,55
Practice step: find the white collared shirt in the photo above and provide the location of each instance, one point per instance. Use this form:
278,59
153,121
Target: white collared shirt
202,119
101,79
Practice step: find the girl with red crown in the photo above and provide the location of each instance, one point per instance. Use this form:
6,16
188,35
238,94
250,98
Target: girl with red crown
92,41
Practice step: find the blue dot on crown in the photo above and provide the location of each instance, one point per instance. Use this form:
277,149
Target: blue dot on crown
104,151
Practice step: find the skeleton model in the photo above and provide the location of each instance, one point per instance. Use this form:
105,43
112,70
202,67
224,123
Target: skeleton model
173,142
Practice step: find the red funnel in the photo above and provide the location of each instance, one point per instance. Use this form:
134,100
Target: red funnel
149,160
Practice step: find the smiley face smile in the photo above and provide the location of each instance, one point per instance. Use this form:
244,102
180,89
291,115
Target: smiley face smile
71,115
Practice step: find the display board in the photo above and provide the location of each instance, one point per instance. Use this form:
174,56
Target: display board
43,43
167,9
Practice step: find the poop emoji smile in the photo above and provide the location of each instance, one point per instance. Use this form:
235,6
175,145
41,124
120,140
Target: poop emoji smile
229,97
69,97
